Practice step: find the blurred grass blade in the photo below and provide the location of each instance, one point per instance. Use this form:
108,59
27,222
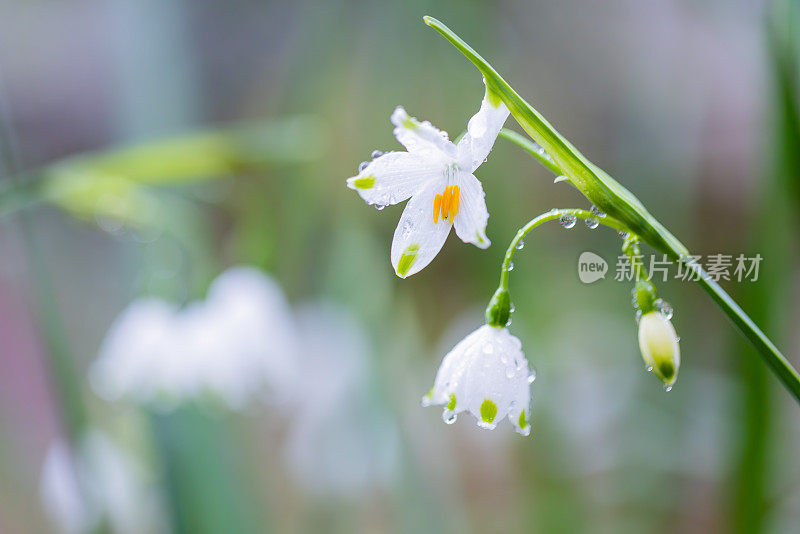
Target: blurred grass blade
118,183
615,200
531,148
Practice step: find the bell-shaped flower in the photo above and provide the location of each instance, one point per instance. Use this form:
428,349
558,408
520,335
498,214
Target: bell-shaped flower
342,442
659,345
487,375
237,344
96,483
437,175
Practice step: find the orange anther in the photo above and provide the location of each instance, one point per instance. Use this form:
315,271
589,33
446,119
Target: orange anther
446,196
437,205
454,202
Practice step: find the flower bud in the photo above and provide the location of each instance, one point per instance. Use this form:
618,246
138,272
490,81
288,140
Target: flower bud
659,345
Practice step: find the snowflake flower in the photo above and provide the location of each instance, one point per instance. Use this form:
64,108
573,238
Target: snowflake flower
486,374
437,176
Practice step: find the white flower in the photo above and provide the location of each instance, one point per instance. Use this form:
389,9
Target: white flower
98,482
341,441
239,343
486,374
437,175
659,345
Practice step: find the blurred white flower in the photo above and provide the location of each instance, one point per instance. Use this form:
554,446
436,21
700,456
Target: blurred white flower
658,343
341,442
486,374
237,344
437,175
97,483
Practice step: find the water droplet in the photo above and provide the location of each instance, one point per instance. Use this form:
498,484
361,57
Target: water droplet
667,388
362,166
510,372
380,207
513,308
408,227
449,417
511,266
592,223
376,154
597,211
532,376
638,316
634,300
525,431
622,235
649,368
664,309
520,245
508,323
567,220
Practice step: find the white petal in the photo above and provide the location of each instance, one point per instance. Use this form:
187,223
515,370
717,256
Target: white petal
482,131
417,239
472,216
394,177
421,137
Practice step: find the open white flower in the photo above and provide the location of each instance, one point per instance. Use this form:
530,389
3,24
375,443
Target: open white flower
437,175
486,374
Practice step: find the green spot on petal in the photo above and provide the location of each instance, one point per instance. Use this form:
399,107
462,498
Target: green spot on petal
409,123
407,259
452,404
522,422
488,411
365,182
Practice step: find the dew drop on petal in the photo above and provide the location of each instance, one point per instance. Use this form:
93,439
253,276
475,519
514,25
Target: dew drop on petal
567,220
510,372
592,223
449,417
664,309
376,154
362,166
380,207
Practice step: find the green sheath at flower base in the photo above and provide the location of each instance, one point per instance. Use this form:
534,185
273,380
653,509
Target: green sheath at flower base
498,311
645,296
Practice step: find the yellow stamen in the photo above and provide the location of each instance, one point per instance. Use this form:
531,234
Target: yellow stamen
446,196
437,205
454,202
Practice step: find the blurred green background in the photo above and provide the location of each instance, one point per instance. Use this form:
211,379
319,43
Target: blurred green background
691,104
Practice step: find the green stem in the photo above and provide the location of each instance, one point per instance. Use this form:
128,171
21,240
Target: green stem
531,148
543,218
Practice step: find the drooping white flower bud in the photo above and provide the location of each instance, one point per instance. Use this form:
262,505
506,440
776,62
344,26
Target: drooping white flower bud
486,374
659,345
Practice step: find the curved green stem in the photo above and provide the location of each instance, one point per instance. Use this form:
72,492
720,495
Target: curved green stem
543,218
